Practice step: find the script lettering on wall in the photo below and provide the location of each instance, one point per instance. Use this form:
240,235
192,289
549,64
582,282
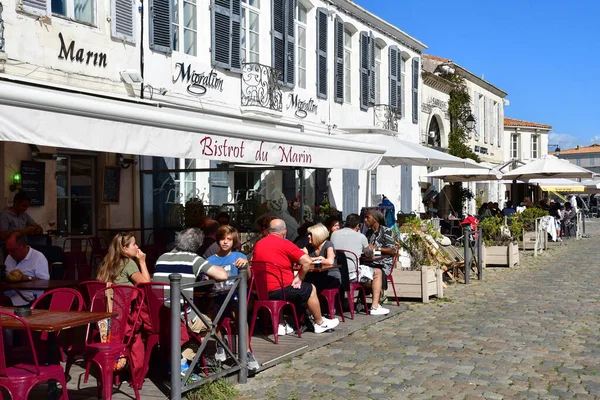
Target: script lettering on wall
71,53
198,82
302,107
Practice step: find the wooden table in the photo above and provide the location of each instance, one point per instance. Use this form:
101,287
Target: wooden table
318,267
43,284
53,321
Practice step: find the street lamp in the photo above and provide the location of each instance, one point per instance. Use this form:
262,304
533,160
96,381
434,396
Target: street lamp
556,149
470,122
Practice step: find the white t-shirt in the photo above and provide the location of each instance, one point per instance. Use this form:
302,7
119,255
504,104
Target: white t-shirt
34,265
349,239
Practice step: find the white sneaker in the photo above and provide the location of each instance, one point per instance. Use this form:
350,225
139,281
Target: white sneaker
281,331
379,311
326,325
288,329
220,355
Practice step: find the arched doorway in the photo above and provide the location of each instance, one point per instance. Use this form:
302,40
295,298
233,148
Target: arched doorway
434,135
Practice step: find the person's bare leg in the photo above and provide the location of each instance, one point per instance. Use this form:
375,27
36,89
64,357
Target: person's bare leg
314,307
376,287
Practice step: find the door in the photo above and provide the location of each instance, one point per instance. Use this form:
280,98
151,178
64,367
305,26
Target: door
75,183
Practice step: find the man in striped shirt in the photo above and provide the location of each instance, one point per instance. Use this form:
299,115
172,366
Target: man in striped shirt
184,260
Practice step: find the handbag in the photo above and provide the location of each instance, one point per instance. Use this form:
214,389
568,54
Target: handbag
104,329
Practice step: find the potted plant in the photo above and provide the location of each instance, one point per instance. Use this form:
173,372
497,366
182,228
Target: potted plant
500,244
419,274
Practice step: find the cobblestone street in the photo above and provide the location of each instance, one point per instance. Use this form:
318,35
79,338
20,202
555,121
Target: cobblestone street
530,332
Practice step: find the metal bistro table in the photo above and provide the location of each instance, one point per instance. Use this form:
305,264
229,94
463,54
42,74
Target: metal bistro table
44,285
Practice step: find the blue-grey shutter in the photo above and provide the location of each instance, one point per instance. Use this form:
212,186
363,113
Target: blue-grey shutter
277,35
364,70
219,184
477,116
486,120
160,25
290,60
122,21
372,70
406,189
339,60
225,40
500,122
401,61
395,73
471,99
38,7
492,123
322,16
415,90
350,195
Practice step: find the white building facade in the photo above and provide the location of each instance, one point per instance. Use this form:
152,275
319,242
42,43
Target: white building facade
292,73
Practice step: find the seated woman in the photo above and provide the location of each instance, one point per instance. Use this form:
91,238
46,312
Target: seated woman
125,264
228,239
321,249
332,224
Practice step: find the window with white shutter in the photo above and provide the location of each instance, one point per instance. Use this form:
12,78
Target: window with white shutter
122,20
415,90
339,60
395,85
322,17
283,45
160,25
226,25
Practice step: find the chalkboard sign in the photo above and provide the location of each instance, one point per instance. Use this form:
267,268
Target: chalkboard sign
33,179
111,183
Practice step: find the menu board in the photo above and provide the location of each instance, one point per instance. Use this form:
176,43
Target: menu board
33,180
111,183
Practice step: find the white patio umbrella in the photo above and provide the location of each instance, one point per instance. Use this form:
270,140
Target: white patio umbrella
470,174
559,185
401,152
547,167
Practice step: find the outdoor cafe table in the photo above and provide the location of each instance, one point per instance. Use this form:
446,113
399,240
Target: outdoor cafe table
43,284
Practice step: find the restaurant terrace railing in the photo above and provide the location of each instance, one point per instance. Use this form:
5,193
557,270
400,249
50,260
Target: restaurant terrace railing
181,385
1,30
386,117
261,87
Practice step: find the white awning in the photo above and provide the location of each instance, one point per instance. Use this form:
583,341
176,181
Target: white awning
56,118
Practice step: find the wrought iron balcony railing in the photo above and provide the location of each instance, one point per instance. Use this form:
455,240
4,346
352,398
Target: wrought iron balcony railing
386,117
261,87
1,30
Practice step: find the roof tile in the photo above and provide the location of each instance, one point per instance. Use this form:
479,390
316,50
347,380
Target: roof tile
436,58
510,122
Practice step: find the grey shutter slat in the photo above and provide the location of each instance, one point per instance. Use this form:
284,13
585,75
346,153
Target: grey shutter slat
394,75
406,189
290,59
160,25
350,184
41,5
372,71
492,123
322,53
364,70
486,121
477,116
339,60
123,20
219,184
236,24
500,122
278,31
400,94
415,90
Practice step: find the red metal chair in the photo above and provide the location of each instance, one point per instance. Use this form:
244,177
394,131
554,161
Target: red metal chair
89,290
330,296
61,299
351,288
99,248
72,260
84,272
390,278
19,379
274,307
126,302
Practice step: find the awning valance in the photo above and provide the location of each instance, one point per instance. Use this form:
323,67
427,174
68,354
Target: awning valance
50,117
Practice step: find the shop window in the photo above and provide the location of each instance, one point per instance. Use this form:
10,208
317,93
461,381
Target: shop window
184,24
75,177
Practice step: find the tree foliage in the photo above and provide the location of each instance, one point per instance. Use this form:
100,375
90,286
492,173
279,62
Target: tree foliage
459,109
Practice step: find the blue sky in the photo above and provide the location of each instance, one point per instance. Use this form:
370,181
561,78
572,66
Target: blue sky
544,54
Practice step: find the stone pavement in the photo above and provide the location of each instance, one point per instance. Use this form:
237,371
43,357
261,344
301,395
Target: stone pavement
529,332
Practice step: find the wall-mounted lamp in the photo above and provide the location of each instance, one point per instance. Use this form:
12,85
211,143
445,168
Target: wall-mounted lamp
470,122
17,182
126,162
556,149
131,77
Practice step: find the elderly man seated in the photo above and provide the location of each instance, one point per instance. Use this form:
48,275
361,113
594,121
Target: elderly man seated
351,239
280,256
24,264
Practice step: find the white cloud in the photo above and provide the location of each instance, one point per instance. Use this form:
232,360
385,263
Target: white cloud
595,139
564,140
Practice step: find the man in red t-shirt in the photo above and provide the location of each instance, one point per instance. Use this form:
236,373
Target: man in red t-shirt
281,255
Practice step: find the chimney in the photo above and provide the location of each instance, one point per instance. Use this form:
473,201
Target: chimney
578,147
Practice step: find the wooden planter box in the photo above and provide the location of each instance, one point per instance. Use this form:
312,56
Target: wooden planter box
419,284
528,242
501,255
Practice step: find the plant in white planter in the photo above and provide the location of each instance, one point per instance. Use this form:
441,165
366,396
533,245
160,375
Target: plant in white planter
500,245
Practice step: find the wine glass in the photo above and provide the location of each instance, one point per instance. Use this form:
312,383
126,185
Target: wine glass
51,224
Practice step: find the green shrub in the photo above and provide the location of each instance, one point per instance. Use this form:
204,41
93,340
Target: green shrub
492,235
220,389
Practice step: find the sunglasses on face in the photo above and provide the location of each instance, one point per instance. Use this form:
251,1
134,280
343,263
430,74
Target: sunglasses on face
123,236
